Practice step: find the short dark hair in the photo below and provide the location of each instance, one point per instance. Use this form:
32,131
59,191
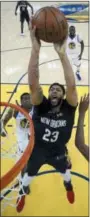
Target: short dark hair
24,94
72,27
60,85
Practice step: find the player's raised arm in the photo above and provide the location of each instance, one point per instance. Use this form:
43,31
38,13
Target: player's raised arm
71,92
80,139
33,69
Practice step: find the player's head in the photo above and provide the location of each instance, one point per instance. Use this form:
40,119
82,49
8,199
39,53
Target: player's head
26,100
24,1
72,30
56,94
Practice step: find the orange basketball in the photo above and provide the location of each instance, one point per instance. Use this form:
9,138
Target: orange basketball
51,25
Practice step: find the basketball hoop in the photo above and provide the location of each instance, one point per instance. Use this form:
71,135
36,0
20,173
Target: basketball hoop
9,177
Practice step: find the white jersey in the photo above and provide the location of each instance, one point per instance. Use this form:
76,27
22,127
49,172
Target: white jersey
72,45
22,130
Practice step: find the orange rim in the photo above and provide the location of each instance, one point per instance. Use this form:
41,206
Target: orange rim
14,171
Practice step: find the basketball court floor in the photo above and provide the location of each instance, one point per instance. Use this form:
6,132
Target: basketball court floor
48,197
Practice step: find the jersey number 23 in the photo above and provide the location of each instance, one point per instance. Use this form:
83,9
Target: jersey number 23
50,136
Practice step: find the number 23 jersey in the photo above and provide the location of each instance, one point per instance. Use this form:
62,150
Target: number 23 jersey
53,130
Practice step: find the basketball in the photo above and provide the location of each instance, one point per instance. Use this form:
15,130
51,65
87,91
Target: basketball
51,25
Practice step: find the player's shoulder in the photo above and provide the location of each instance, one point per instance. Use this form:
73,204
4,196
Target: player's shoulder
44,101
31,111
79,37
42,107
65,104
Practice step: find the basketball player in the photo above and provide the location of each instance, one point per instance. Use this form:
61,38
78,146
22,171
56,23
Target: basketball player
53,119
24,15
73,41
22,128
80,140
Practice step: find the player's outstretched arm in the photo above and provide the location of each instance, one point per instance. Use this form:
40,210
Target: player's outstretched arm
33,69
30,7
71,92
8,116
80,139
18,3
4,122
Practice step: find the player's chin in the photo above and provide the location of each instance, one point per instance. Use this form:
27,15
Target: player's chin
54,102
27,106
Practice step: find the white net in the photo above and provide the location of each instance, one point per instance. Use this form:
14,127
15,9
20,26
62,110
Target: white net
14,140
9,195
